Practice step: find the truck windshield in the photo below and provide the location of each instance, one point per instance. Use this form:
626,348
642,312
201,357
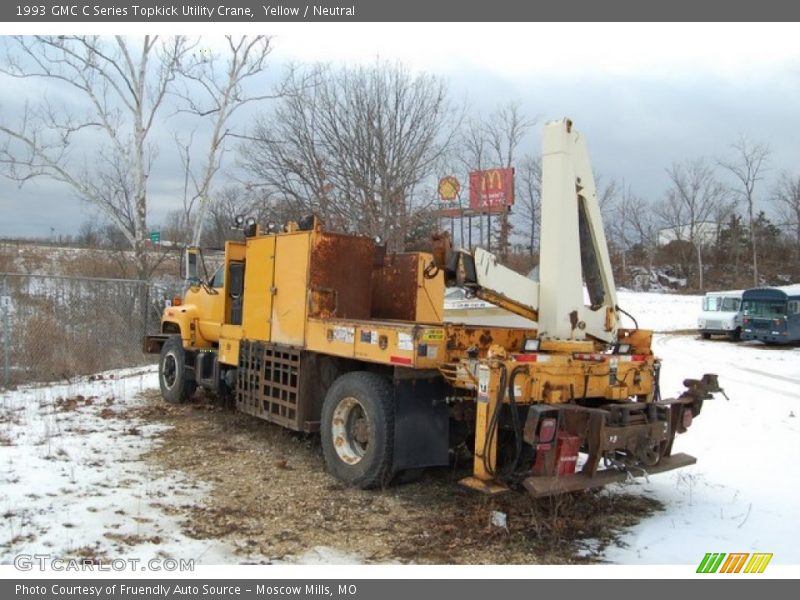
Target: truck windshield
219,278
721,303
764,308
731,304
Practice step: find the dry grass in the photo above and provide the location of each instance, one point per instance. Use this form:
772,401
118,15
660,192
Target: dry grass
271,495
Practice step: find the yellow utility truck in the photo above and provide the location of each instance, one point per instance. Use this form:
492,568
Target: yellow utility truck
326,332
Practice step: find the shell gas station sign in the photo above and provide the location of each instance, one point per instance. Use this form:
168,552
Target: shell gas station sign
449,189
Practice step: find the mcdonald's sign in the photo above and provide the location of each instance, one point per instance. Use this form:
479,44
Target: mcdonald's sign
491,190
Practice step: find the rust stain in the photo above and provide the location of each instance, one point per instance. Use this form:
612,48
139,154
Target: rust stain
573,319
394,288
340,276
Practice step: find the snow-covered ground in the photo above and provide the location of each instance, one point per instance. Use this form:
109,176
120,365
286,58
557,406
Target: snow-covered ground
659,312
73,482
742,494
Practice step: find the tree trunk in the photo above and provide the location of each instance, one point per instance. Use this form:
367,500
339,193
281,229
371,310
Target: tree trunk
700,267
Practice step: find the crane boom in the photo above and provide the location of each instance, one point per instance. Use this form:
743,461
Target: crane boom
573,252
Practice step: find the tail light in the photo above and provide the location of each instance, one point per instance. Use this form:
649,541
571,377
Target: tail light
746,321
176,301
547,431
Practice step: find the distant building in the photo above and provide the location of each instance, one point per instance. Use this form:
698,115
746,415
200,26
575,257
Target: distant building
705,231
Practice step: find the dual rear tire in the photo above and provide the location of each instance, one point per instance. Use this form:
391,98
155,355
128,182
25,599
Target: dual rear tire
357,429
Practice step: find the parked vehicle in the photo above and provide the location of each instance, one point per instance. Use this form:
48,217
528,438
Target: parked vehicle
721,315
771,315
327,332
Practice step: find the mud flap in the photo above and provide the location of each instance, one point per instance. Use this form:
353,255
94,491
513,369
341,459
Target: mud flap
539,487
421,426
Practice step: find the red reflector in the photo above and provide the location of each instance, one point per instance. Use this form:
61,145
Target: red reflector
525,357
399,360
590,357
638,357
568,447
547,431
686,418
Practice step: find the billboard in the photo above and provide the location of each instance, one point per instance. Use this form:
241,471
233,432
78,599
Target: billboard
491,190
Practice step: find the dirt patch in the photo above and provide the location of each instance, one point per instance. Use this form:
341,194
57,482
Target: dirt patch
271,495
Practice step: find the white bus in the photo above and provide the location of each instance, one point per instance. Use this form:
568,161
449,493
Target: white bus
721,315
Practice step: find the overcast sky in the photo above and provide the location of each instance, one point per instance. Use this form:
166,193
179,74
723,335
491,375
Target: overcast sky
644,95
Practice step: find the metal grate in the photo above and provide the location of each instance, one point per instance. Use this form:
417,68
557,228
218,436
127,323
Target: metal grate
268,379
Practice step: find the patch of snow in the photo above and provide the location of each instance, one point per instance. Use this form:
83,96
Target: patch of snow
73,482
741,496
660,312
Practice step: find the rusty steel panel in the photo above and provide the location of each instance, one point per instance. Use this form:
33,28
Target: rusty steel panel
394,288
460,338
340,276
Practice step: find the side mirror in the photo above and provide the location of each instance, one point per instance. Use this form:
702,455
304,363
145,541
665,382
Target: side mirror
190,264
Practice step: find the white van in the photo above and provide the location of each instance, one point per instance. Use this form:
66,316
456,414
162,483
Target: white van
721,315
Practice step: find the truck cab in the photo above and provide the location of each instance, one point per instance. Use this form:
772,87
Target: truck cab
721,315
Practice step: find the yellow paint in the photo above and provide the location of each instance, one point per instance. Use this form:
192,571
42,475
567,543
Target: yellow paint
258,285
229,344
430,292
566,346
290,302
384,342
486,447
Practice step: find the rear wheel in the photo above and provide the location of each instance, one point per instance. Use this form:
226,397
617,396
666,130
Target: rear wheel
173,379
357,429
705,336
736,334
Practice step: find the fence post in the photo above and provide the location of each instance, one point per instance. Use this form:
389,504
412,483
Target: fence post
6,334
146,308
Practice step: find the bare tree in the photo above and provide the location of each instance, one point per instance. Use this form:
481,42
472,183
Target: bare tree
690,203
786,198
608,198
215,88
123,85
620,208
505,130
529,198
747,166
494,142
235,200
359,147
473,155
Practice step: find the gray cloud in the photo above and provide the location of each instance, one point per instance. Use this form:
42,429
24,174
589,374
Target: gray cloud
636,126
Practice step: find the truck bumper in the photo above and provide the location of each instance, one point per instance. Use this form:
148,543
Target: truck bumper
152,344
539,487
765,336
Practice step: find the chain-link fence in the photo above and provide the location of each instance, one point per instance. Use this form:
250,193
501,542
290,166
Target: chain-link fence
57,327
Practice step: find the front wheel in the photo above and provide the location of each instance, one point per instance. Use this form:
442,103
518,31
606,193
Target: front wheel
357,429
175,385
